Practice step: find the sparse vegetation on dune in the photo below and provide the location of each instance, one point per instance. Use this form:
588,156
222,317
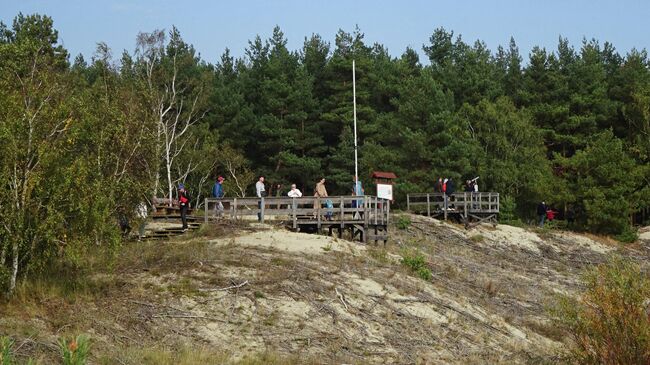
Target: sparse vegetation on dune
221,297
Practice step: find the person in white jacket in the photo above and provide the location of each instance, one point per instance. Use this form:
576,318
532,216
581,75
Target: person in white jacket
294,192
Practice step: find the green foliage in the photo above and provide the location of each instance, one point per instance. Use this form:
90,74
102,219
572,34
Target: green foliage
508,211
75,351
477,238
606,182
403,222
608,324
6,344
629,235
416,262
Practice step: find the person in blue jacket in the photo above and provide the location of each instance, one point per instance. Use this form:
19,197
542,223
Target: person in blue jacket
218,192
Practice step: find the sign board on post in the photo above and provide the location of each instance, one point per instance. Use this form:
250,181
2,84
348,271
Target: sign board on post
384,181
385,191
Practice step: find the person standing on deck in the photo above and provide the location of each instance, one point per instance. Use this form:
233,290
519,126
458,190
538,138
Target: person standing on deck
278,194
357,190
261,192
475,195
468,186
184,204
451,189
218,193
437,188
443,190
294,192
319,192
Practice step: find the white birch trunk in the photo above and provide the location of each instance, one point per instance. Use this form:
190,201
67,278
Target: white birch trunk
14,267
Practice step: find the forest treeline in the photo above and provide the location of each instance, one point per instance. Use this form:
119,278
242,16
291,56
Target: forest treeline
82,141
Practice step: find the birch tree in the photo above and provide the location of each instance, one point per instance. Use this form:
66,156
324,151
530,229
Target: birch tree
176,99
32,120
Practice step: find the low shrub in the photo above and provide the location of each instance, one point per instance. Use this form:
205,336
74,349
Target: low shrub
508,212
608,323
629,235
75,351
417,264
6,356
477,238
403,222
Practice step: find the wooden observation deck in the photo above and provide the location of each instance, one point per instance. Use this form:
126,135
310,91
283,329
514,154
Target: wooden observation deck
467,207
366,217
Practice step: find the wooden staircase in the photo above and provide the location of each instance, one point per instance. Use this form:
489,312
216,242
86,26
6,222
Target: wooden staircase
167,224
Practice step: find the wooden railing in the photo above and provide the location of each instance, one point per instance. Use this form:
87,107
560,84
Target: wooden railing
466,203
366,210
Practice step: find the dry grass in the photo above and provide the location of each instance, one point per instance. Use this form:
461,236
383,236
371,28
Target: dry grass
199,355
290,306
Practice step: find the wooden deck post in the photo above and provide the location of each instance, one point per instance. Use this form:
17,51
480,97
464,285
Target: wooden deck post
205,220
446,198
318,225
234,209
387,213
408,203
262,209
295,218
342,217
376,205
465,205
489,201
428,206
366,211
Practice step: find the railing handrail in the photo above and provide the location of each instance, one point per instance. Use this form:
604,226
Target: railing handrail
422,195
465,202
342,205
308,197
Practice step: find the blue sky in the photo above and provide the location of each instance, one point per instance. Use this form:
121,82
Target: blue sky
211,26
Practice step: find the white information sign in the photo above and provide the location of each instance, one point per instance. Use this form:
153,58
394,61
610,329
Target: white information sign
385,191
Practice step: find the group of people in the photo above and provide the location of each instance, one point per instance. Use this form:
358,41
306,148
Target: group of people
218,191
320,191
545,213
447,187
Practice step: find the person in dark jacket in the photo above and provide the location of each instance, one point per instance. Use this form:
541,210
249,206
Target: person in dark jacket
437,188
469,186
184,204
451,189
541,213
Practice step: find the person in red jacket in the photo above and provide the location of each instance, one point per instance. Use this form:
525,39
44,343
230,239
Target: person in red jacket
184,204
550,214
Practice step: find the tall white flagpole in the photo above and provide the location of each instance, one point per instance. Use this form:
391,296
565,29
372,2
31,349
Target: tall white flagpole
354,101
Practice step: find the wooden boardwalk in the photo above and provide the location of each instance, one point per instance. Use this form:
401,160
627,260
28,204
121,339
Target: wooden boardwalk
365,217
470,208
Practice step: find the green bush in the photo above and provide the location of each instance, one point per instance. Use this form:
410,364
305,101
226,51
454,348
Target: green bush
477,238
75,351
6,355
628,235
508,211
403,222
416,262
608,323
